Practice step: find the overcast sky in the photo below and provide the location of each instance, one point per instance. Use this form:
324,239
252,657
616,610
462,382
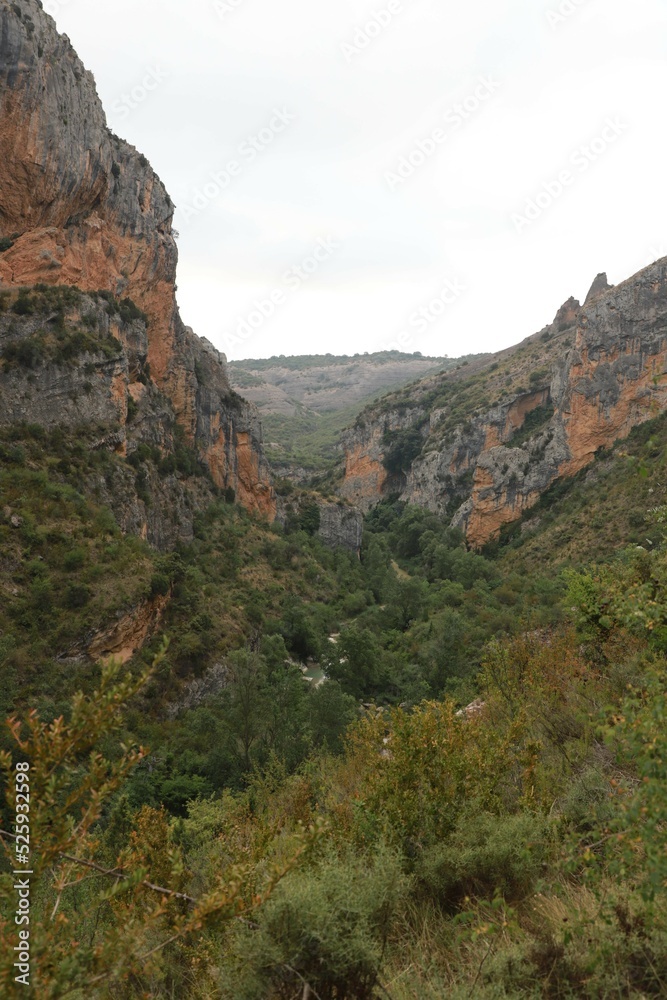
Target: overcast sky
353,175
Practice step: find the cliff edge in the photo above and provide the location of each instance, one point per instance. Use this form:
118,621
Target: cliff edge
81,207
482,444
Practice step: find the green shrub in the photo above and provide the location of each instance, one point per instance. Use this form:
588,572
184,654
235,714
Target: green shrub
485,855
310,517
160,585
74,560
401,449
25,353
327,927
77,595
129,312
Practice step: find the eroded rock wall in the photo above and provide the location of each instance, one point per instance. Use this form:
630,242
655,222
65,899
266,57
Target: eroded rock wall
610,377
82,207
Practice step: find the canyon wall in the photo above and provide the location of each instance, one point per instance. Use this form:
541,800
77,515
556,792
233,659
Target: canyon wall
588,379
81,207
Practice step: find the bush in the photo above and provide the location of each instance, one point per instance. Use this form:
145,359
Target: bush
310,517
77,595
486,855
74,560
129,312
326,927
403,447
160,585
24,305
25,353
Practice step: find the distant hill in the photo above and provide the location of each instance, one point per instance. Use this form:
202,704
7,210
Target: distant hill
307,401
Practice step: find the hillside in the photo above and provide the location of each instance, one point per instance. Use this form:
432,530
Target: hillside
257,746
327,383
482,445
306,402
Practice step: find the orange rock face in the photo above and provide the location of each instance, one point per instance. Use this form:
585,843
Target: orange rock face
84,208
610,380
491,510
247,473
364,475
589,425
233,458
130,633
514,419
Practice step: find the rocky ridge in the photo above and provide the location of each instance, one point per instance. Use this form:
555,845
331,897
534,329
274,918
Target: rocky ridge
495,436
81,207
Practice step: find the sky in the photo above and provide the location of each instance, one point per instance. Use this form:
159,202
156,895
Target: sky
360,175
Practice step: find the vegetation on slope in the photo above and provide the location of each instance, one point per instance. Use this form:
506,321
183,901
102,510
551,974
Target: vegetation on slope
476,386
514,852
307,402
366,837
307,440
303,362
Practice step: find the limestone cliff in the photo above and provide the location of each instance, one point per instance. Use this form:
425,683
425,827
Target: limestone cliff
337,524
71,363
482,444
81,207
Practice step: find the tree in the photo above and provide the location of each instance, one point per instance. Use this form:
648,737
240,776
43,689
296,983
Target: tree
94,923
249,706
355,661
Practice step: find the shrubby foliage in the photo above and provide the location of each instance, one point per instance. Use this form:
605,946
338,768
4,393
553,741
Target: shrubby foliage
362,838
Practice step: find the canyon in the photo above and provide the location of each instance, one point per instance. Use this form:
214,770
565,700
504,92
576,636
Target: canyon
478,443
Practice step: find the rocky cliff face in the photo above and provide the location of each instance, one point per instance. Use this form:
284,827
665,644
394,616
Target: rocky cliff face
493,441
80,207
335,523
70,363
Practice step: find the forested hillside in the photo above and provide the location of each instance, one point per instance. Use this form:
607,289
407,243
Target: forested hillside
471,804
262,743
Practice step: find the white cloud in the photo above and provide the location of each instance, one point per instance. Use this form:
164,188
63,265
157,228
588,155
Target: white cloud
326,173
